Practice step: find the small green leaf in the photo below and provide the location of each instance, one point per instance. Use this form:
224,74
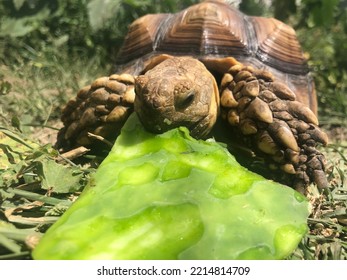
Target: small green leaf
59,178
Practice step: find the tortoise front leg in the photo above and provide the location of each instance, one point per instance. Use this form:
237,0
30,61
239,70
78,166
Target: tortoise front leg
273,124
99,109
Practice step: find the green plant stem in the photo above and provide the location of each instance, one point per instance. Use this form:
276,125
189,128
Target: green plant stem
39,197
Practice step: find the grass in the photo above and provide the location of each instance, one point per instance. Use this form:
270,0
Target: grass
31,97
41,86
327,238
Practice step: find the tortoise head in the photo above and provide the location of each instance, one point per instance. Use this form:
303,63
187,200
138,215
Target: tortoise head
179,91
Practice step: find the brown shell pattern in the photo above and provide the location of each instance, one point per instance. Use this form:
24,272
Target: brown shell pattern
214,28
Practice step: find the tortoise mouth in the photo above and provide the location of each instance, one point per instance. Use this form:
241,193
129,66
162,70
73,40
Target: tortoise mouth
156,121
201,129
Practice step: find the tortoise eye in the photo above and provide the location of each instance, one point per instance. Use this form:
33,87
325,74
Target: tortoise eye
183,100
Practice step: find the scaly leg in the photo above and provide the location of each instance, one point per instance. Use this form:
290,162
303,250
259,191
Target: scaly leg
273,124
99,109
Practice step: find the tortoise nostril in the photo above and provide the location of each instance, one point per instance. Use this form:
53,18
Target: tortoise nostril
183,100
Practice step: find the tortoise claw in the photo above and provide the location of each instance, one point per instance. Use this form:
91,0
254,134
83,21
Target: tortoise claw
283,134
320,179
302,112
259,110
281,91
266,144
248,127
233,117
227,99
288,168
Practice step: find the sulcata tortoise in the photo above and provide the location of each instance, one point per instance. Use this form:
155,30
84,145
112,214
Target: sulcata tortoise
210,64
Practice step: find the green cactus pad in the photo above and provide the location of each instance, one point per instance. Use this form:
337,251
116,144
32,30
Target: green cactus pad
170,196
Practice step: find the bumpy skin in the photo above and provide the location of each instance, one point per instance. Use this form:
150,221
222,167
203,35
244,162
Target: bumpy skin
178,92
271,122
100,109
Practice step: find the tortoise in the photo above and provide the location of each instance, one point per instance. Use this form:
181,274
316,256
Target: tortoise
210,66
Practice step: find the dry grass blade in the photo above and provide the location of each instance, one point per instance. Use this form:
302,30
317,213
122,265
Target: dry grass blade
73,154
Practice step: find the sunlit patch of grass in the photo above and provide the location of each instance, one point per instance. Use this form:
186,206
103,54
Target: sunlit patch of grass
32,93
38,88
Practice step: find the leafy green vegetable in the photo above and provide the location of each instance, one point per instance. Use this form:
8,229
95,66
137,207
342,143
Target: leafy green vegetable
170,196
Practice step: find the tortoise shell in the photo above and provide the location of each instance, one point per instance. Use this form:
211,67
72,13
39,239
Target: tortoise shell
216,29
